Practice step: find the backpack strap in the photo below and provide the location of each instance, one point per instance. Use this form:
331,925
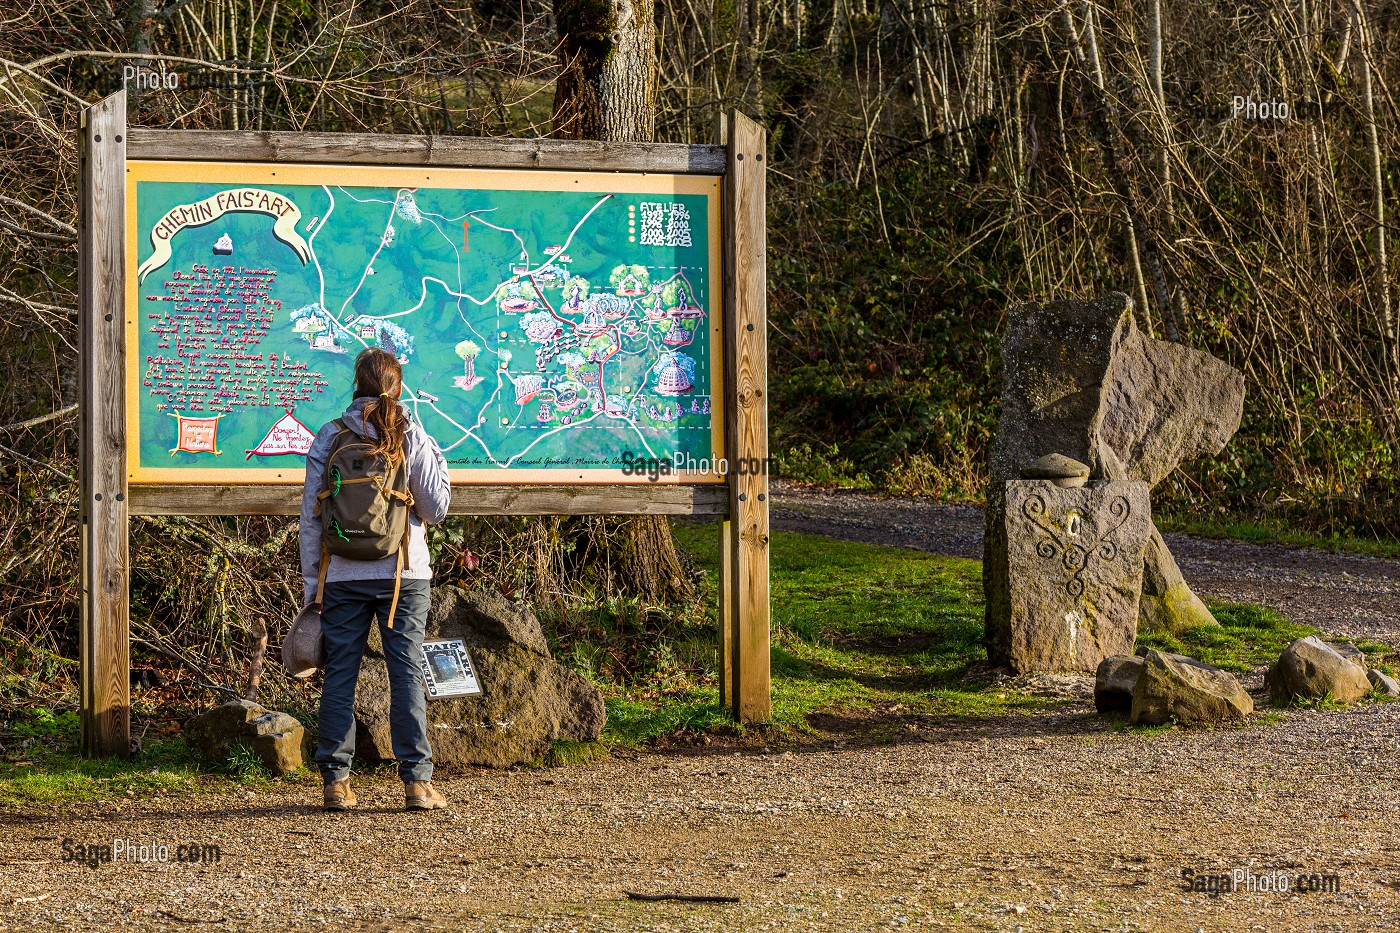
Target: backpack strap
326,490
398,572
406,497
321,577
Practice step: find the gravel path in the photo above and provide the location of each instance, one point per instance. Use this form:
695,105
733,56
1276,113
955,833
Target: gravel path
1032,823
1345,595
1049,821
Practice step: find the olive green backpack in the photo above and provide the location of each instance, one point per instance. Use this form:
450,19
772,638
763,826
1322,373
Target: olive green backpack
364,507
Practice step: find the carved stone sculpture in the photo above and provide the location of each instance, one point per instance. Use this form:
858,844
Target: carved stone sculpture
1082,382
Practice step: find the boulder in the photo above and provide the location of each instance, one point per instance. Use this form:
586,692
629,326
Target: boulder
528,700
1173,686
1311,669
1074,562
280,740
1167,603
1083,383
1383,684
1114,682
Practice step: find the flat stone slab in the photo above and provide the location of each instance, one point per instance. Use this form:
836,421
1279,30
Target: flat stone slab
1056,466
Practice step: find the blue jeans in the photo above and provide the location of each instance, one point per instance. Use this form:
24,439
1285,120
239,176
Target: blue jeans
348,609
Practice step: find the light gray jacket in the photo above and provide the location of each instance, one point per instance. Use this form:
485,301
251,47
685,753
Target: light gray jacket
427,481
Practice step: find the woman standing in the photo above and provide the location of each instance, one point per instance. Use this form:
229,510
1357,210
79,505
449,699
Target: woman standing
393,590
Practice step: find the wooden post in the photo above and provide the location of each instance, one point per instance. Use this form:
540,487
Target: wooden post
725,601
105,637
746,370
724,598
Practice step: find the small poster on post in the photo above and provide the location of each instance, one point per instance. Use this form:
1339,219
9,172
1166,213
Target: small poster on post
448,670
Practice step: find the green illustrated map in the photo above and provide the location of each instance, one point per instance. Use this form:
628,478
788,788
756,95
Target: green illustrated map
568,331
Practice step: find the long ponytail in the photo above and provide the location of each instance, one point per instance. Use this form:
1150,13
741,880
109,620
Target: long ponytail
379,374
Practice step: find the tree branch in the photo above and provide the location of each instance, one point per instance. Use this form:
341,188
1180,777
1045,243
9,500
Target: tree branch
38,463
32,422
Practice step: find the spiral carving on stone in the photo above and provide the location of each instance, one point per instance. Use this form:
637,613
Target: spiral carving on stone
1074,556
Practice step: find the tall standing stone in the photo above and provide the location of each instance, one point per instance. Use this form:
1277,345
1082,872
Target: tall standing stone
1053,360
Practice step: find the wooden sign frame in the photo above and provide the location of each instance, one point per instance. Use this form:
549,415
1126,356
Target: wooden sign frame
740,503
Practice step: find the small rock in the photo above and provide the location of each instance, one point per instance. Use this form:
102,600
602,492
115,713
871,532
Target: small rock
1114,682
1063,471
1173,686
210,733
1310,668
1349,651
277,738
1383,684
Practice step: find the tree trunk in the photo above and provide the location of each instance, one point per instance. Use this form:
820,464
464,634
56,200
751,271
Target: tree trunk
1382,292
1174,311
750,67
139,18
606,90
607,81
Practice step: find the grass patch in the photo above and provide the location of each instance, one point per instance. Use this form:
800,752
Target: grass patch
40,765
38,773
1248,637
857,631
864,634
1265,531
1324,702
563,753
244,765
637,715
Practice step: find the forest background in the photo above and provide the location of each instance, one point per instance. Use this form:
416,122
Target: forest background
931,164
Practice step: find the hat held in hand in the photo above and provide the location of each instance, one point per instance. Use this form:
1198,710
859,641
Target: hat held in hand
304,650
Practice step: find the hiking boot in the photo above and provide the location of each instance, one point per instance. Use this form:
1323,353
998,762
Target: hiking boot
420,795
338,795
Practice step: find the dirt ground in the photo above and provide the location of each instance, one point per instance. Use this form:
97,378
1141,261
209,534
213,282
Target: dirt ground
1049,821
1044,822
